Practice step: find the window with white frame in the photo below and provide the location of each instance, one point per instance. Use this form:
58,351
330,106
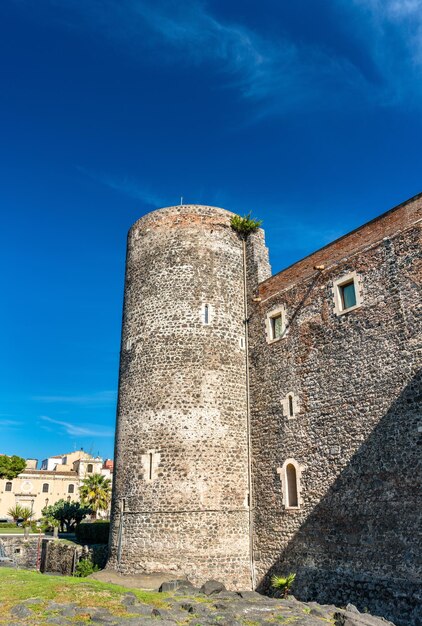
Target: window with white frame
347,293
150,461
290,405
276,324
290,475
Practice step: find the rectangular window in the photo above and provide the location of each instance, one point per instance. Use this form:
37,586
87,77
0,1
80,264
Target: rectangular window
347,292
348,295
276,326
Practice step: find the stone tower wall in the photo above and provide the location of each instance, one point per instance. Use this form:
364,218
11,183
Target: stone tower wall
356,426
180,501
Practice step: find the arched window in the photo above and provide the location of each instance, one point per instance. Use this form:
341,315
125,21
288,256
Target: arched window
45,488
290,474
8,486
71,489
89,468
291,482
290,404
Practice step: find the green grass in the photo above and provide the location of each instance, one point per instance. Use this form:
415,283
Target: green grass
19,585
12,531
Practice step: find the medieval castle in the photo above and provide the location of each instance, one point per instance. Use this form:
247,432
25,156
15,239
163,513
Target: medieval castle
270,423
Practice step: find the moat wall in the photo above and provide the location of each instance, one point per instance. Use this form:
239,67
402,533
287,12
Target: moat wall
355,435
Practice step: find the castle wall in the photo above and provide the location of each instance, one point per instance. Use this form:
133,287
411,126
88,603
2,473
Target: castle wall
354,433
180,498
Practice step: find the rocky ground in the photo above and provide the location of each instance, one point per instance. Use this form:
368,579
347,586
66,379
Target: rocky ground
183,605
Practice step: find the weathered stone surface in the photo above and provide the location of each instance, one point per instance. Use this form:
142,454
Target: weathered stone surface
353,537
129,599
181,466
20,610
173,585
211,587
349,380
355,618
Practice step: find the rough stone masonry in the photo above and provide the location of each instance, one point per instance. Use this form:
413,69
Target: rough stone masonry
270,423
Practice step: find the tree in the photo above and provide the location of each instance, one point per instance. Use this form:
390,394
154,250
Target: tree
20,512
95,492
11,466
69,514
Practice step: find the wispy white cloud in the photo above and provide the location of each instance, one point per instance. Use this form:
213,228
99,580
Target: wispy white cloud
80,431
94,399
127,186
277,72
394,39
8,423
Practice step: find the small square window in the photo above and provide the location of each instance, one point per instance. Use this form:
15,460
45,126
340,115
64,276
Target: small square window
347,294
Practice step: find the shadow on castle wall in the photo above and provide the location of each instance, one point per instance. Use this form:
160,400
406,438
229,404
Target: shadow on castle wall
361,543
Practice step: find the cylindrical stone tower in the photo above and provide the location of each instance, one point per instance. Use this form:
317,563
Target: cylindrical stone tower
180,499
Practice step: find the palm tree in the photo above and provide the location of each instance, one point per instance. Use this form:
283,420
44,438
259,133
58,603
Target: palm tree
95,492
20,512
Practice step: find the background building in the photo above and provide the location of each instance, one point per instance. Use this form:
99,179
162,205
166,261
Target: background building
59,478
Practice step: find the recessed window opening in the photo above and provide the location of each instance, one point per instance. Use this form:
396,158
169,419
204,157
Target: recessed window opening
206,314
291,486
89,468
150,465
276,326
8,486
71,489
348,295
291,410
45,488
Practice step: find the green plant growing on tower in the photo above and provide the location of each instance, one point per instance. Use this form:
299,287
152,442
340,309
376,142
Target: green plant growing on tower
245,225
282,584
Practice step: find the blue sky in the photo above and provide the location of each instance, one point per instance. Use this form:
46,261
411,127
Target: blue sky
308,113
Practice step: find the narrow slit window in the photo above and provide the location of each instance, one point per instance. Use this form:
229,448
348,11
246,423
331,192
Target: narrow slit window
291,483
291,409
206,314
150,465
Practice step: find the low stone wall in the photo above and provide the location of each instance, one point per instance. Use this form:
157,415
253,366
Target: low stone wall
62,557
22,550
